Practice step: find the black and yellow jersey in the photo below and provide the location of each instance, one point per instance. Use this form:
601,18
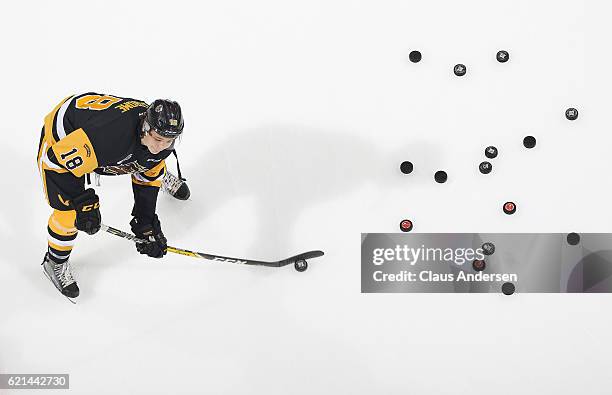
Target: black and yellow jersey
97,132
94,132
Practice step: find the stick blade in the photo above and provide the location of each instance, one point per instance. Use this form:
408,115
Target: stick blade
302,256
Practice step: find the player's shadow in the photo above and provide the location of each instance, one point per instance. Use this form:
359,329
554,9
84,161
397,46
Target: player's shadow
287,170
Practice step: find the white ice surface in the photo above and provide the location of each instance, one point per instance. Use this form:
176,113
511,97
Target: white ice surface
297,117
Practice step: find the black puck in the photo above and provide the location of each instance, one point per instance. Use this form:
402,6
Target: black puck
440,176
406,225
571,114
406,167
502,56
491,152
488,248
479,265
415,56
529,141
573,239
485,167
509,208
300,265
460,70
508,288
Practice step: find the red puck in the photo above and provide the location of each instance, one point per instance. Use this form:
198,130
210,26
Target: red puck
509,208
406,225
479,265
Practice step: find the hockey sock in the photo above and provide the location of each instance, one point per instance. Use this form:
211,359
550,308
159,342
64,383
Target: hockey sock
62,235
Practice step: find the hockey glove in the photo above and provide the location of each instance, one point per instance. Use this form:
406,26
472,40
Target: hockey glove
87,207
155,242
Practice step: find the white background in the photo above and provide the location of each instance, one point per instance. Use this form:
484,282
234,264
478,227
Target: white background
297,117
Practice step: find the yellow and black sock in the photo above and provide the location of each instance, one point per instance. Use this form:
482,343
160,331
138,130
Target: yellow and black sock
62,235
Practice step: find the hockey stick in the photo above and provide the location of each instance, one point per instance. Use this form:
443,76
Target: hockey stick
299,260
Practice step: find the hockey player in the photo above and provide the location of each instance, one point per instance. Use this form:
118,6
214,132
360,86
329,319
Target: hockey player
108,135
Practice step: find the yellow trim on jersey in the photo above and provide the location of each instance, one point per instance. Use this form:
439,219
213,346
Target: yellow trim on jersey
42,167
44,158
60,171
49,122
44,181
75,152
158,171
